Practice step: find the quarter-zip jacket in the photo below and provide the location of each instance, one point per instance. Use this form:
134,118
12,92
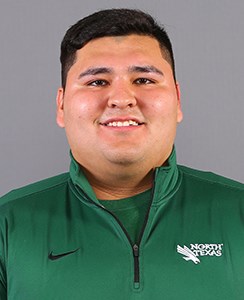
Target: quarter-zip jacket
58,242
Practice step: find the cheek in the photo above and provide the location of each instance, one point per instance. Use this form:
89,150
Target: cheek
80,109
165,106
84,112
160,108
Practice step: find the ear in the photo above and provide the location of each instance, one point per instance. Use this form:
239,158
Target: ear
179,110
60,107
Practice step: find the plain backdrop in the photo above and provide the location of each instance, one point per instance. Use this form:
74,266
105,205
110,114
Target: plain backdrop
208,41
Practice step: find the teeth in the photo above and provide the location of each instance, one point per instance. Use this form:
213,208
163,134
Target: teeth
121,124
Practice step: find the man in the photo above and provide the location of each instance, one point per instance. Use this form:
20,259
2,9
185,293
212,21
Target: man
126,222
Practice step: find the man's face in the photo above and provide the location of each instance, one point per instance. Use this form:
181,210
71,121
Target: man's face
121,105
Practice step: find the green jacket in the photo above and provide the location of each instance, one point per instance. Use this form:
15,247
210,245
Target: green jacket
57,242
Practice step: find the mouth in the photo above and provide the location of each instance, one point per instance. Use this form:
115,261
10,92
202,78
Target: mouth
126,123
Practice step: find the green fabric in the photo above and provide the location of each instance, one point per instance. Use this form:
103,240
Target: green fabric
131,212
191,210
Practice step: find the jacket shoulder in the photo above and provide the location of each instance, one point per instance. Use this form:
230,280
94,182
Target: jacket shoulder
211,178
35,188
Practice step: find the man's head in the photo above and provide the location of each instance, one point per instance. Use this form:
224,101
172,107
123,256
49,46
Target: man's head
112,22
119,103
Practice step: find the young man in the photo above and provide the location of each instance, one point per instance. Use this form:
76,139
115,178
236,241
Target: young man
126,222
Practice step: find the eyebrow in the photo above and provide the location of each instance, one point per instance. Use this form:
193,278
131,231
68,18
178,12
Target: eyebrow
145,69
95,71
132,69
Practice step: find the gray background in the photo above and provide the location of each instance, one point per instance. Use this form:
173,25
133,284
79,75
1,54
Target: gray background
208,40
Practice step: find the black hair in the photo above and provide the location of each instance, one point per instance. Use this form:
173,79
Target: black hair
112,22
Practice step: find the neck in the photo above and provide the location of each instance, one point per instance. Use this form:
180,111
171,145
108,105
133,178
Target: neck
117,186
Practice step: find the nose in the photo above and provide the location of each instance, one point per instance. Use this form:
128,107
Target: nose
121,96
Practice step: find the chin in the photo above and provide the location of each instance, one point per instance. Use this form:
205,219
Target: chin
124,159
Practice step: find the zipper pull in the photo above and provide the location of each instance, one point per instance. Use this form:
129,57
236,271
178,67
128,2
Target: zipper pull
136,251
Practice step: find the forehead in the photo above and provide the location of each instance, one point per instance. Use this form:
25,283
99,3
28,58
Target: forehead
120,46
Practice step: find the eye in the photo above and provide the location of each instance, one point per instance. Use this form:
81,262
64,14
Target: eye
98,82
143,81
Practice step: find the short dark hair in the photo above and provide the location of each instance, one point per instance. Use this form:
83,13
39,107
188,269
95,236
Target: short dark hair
112,22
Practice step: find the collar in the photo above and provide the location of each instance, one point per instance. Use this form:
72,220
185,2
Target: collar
80,182
166,181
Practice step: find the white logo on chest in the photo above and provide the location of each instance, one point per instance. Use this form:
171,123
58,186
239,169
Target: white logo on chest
195,251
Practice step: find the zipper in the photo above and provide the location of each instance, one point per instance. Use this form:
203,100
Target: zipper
136,246
135,249
136,266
